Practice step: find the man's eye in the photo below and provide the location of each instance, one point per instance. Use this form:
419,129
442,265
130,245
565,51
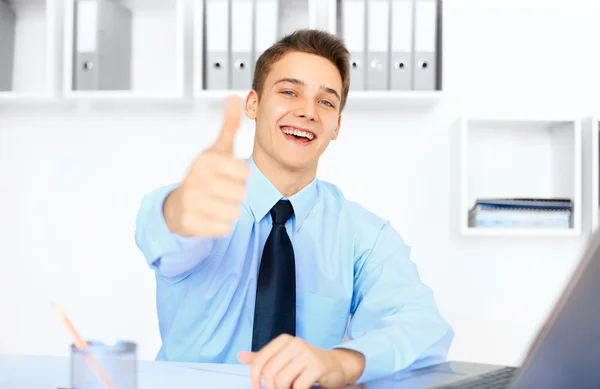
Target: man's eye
288,92
327,102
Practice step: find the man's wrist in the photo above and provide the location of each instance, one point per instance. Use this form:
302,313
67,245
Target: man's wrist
353,363
169,213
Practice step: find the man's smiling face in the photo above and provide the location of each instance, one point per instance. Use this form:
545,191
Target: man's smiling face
298,113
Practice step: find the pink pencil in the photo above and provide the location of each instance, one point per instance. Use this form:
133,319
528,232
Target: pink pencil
81,344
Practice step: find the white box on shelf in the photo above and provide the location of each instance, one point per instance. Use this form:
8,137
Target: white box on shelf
157,56
591,158
36,47
519,158
326,15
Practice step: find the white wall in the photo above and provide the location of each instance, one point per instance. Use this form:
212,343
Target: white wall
71,182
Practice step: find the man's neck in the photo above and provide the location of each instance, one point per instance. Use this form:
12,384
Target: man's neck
287,181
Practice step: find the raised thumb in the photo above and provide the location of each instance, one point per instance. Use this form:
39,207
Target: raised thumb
231,123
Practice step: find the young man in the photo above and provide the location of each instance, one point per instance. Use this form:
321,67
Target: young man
258,261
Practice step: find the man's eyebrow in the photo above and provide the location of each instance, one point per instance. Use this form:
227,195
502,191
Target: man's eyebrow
290,80
331,91
302,83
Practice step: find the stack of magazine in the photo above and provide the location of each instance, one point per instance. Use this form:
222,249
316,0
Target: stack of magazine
522,213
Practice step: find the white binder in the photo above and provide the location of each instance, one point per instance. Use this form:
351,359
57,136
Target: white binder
102,59
265,25
293,15
242,15
425,49
378,12
217,56
353,33
401,35
7,45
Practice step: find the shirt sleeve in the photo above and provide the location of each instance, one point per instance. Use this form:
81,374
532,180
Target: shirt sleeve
395,321
170,255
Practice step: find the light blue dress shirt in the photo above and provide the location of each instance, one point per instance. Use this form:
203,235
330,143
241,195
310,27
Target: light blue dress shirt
349,264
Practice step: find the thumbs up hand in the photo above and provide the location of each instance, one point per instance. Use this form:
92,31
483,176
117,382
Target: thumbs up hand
207,203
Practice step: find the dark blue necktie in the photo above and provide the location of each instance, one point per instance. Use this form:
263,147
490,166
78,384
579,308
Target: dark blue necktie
275,309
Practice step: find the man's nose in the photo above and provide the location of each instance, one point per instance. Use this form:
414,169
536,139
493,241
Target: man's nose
307,110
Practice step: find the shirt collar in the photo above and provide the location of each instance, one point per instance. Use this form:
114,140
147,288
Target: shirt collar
263,195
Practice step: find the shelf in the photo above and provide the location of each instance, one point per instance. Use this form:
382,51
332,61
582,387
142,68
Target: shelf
35,48
104,96
146,71
25,97
495,162
405,99
357,100
514,232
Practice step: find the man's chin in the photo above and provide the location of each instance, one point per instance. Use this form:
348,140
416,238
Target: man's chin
295,163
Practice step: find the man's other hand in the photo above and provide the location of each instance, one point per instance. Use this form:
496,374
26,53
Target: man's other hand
289,362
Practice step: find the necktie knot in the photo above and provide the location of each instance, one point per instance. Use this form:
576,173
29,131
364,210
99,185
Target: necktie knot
282,211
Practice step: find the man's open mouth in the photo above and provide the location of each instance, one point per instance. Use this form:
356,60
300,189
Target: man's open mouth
298,134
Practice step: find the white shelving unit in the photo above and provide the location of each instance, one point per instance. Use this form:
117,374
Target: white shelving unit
169,70
157,69
36,55
495,160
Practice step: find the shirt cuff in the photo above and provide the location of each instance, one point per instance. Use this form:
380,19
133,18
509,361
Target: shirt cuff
157,239
379,359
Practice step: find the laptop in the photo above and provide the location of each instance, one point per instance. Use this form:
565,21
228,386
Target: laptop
564,354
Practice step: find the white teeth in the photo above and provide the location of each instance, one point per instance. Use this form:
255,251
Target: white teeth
298,133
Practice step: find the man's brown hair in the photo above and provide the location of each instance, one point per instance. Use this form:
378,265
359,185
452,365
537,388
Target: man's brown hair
309,41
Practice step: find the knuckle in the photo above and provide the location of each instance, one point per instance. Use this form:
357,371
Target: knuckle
212,185
319,369
210,155
202,163
299,385
297,341
267,371
282,382
269,381
271,375
284,337
241,193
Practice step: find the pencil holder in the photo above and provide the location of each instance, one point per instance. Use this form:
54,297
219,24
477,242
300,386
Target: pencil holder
104,366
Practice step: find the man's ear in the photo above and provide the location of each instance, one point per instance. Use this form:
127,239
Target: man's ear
251,104
337,129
